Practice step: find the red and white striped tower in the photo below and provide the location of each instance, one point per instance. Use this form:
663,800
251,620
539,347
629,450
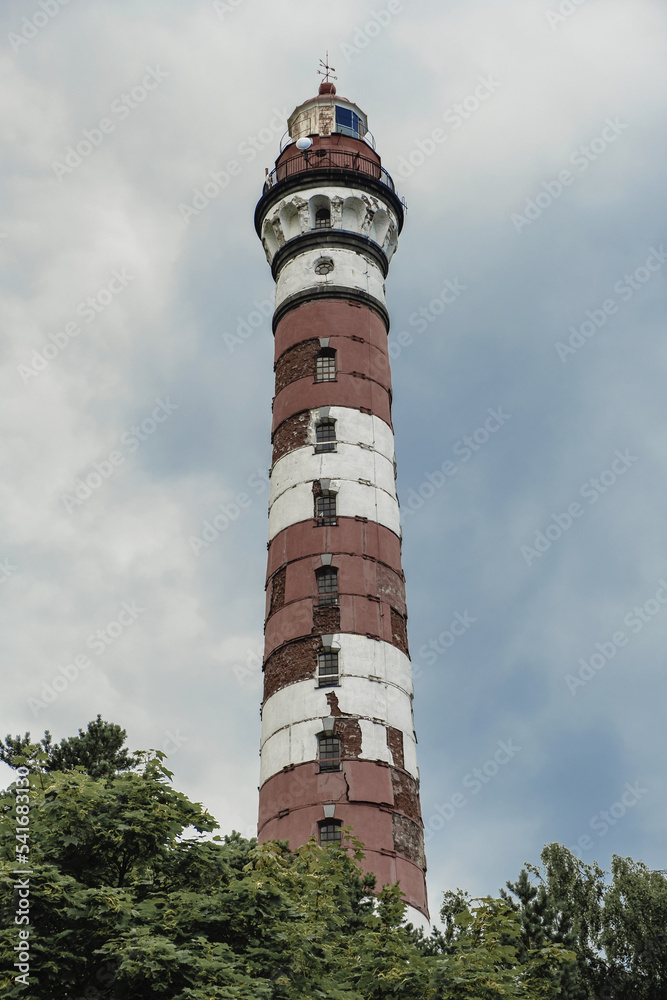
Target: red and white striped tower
338,743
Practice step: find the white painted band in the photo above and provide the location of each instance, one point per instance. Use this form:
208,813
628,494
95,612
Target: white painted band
297,744
354,500
359,656
357,695
355,427
368,432
351,270
349,462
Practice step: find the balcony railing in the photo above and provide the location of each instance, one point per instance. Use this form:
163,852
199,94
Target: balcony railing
327,159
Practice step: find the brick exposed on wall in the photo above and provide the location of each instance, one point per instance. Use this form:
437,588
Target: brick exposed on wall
297,362
406,794
395,744
349,733
278,590
332,702
326,620
346,728
297,661
317,492
399,631
408,839
291,434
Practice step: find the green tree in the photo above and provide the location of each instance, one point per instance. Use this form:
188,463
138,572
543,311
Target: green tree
615,925
482,953
98,751
131,898
548,917
634,931
118,900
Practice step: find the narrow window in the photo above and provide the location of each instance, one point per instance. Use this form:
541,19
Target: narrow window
325,436
327,585
325,509
349,123
330,832
322,218
328,752
327,667
325,366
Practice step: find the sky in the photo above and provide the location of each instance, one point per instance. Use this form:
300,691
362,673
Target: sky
529,362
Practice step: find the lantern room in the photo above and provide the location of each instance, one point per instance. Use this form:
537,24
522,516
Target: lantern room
327,114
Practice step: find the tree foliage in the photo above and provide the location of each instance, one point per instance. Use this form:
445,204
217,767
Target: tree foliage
616,926
482,953
131,896
100,750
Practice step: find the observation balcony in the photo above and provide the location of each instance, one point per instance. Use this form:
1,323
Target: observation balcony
328,159
336,160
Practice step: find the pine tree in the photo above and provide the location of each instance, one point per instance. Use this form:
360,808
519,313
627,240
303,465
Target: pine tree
98,751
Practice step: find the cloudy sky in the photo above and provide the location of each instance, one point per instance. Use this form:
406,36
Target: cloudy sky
528,139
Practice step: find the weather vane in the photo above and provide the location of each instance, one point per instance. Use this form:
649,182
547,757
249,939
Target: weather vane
327,69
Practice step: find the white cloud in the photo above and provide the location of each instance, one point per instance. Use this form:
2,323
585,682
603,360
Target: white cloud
162,336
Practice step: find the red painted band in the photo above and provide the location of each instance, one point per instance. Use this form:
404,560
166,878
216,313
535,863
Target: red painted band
358,616
330,318
350,534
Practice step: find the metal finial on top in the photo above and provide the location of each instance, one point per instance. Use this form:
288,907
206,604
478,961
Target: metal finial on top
327,69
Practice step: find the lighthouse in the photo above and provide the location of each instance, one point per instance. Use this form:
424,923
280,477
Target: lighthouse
338,744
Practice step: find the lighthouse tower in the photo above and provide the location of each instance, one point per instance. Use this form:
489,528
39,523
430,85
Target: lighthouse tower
338,745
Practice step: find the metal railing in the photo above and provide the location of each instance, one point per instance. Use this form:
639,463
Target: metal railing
328,159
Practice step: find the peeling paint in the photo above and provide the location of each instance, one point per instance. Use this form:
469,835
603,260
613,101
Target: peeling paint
298,362
395,744
326,620
354,430
278,590
408,839
295,705
399,631
349,732
295,661
406,794
332,701
291,434
391,588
